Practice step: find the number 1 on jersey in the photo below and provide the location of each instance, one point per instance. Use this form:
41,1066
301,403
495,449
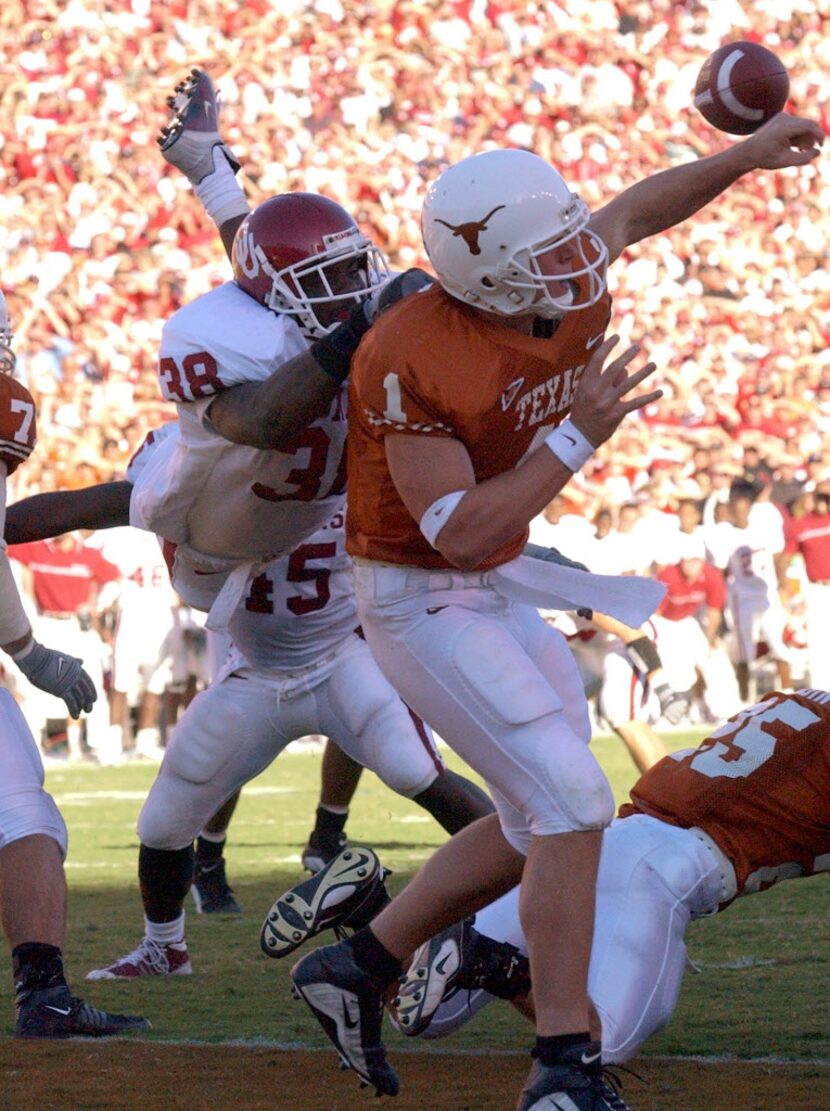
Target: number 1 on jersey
394,407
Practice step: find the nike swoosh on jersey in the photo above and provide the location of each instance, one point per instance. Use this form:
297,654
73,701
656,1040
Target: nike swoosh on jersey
509,395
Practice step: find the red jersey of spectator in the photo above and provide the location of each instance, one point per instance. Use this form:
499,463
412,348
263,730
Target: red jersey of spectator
64,572
810,535
685,596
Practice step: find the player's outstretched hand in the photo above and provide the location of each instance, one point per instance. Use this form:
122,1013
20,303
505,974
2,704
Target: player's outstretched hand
601,400
783,141
61,675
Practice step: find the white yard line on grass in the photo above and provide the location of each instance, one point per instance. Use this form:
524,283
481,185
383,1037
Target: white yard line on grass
429,1050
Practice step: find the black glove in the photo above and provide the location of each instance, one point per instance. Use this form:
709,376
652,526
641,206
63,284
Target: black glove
552,555
59,674
410,281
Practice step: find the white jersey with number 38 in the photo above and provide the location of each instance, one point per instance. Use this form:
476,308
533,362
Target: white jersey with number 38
219,502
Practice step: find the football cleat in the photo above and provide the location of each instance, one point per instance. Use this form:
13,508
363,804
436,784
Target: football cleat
350,1010
54,1013
151,958
322,848
577,1083
211,891
459,958
188,139
345,895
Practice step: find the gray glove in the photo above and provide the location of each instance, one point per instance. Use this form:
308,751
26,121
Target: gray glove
59,674
410,281
673,706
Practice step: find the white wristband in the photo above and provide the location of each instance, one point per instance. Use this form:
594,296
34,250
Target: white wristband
438,514
569,445
220,192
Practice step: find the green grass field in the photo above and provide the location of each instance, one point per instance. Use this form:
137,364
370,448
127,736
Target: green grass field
762,989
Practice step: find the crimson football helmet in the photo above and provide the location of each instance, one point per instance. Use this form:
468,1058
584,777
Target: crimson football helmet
303,255
488,221
7,356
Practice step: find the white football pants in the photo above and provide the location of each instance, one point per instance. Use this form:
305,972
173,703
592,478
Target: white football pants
233,730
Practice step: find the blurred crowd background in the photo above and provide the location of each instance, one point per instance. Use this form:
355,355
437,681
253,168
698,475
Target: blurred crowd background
366,102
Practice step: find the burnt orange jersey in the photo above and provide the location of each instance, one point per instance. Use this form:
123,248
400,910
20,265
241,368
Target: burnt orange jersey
18,430
759,786
435,367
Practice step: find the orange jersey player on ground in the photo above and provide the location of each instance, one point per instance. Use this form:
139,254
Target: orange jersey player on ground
747,808
470,408
759,787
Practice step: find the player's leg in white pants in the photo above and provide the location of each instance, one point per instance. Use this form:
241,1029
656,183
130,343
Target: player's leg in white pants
32,838
653,879
363,714
229,733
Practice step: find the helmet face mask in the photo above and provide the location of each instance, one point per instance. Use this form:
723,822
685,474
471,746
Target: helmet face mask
302,255
506,235
8,358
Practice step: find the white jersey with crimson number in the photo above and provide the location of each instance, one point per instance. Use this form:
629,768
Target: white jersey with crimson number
300,607
219,502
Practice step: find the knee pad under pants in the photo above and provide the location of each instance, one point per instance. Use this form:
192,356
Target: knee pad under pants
228,734
501,687
365,716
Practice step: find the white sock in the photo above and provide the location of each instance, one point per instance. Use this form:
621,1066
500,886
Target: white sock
148,739
220,192
165,933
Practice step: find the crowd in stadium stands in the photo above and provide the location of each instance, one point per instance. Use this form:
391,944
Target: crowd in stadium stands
366,102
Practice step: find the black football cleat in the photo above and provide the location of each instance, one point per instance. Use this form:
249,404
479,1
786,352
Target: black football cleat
349,1007
345,895
54,1013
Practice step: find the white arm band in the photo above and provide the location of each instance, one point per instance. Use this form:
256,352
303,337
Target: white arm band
569,445
438,514
220,192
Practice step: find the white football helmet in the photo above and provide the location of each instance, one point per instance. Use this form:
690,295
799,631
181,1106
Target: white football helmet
487,220
7,356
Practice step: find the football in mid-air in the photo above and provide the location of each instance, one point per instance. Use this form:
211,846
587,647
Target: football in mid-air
740,87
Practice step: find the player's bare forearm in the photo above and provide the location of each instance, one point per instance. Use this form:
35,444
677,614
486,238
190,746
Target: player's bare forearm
43,516
672,196
268,414
494,512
